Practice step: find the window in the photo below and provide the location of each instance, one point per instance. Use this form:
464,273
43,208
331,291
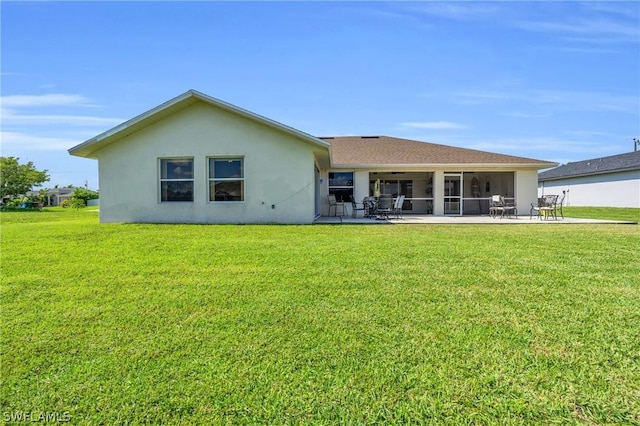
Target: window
176,179
341,185
226,179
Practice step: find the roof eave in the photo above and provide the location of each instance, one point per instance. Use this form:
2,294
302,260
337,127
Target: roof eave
593,173
451,166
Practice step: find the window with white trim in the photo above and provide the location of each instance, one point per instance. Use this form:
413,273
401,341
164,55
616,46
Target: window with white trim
176,179
226,179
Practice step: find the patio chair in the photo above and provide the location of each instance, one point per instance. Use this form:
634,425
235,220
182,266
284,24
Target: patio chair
559,205
499,206
496,206
535,207
385,206
546,207
356,207
509,208
333,203
397,206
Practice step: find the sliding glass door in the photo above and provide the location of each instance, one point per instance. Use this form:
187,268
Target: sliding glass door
395,187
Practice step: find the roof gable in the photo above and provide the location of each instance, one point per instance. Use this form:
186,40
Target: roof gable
611,164
360,151
89,148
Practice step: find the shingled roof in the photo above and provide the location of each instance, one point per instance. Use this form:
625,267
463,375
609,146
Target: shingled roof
367,151
614,163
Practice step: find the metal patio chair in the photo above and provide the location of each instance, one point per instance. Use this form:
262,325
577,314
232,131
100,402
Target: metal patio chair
496,206
356,207
397,206
333,203
385,206
545,208
499,206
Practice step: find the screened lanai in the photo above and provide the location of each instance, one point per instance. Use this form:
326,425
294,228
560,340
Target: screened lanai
464,193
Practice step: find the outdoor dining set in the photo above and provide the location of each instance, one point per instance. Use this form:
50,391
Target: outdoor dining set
548,206
380,207
385,205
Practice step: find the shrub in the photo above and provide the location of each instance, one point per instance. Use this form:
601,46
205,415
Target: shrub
14,202
85,195
78,203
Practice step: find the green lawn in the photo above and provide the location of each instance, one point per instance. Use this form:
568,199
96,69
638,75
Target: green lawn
401,324
608,213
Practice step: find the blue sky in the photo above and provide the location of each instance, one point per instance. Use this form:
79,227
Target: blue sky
555,81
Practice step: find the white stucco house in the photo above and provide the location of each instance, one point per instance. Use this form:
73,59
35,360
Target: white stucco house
196,159
55,196
612,181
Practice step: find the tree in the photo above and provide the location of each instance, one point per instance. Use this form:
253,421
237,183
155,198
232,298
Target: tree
81,196
18,179
85,194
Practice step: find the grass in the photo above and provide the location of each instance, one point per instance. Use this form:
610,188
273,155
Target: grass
402,324
607,213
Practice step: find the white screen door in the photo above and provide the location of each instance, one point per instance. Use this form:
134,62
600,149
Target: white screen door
453,194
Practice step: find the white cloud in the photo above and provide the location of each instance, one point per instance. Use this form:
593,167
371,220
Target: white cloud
457,10
620,9
48,122
532,146
433,125
481,97
524,114
558,99
14,141
9,118
43,100
589,101
598,30
592,22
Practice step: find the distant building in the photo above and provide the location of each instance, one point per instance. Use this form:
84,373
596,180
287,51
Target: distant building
55,196
608,181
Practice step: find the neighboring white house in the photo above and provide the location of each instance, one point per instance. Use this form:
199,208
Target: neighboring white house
608,181
196,159
55,196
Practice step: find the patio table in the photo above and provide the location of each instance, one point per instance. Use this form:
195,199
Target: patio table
371,204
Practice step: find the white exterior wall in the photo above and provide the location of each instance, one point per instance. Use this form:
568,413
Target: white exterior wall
607,190
361,183
526,182
278,171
